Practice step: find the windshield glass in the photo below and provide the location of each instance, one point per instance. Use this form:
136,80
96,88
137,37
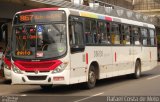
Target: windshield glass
39,41
39,35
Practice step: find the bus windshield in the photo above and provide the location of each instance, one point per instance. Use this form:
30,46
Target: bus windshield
39,39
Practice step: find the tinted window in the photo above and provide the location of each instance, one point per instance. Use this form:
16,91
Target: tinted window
126,38
144,34
152,37
102,33
136,36
88,34
115,34
76,33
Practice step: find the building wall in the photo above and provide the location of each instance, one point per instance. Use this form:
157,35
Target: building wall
122,3
136,4
146,4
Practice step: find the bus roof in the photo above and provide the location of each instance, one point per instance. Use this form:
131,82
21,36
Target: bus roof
109,18
89,14
105,9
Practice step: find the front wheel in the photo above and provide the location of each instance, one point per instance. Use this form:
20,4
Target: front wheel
46,87
91,78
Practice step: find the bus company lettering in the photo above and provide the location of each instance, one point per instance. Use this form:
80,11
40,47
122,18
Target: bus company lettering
133,99
98,53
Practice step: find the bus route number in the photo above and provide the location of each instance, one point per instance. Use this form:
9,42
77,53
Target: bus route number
98,53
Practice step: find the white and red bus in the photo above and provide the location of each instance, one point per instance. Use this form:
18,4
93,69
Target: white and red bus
62,46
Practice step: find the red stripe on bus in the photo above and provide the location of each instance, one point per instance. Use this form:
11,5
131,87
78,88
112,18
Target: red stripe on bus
39,9
115,57
150,55
86,58
40,66
108,18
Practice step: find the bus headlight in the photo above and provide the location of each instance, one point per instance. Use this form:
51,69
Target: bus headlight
16,69
60,68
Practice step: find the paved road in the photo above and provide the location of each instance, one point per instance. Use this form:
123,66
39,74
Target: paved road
147,85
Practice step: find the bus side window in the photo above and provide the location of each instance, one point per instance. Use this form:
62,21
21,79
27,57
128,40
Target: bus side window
136,36
152,37
99,32
76,35
145,36
94,31
131,35
108,33
103,33
88,34
71,31
125,35
115,36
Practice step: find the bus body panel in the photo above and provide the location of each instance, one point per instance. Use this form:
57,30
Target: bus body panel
123,59
103,56
78,68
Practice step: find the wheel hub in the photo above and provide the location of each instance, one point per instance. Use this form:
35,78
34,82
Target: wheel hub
92,77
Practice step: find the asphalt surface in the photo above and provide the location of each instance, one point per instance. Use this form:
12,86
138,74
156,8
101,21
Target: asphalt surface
123,87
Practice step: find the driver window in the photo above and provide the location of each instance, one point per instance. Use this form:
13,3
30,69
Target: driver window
76,33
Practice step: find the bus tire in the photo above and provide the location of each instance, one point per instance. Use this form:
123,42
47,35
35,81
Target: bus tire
46,87
137,72
91,78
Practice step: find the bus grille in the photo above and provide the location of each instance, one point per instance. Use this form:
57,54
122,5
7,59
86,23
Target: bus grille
37,77
37,65
39,71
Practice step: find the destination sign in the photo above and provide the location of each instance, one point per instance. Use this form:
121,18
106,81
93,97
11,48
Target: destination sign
25,37
39,17
23,53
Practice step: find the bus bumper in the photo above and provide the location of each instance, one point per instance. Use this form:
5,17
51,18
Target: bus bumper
40,78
